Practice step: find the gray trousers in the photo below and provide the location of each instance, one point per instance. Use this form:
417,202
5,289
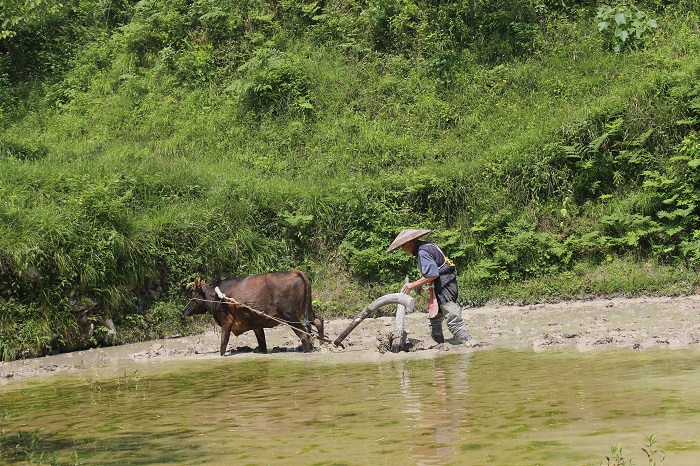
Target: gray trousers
451,313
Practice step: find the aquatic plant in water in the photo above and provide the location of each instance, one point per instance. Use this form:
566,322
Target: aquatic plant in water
655,457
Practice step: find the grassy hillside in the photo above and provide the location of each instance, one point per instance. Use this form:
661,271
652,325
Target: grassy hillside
147,143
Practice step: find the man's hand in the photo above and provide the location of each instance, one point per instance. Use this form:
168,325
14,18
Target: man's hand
417,285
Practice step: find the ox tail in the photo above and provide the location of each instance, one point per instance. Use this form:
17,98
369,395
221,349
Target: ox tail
307,301
311,317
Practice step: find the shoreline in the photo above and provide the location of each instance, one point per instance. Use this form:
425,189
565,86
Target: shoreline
631,323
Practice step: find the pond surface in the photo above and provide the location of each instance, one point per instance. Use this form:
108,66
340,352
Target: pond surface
501,407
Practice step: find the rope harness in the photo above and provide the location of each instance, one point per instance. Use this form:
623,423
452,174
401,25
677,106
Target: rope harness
288,323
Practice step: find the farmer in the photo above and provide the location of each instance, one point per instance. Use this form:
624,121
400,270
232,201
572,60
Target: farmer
438,272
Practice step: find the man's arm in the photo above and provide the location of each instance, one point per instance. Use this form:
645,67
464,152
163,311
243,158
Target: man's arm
428,270
417,285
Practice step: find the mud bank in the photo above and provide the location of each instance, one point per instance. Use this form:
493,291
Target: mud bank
638,324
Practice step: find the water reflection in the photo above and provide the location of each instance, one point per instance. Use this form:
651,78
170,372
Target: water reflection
434,405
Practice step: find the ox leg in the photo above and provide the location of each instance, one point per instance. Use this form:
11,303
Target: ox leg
305,340
225,335
318,323
260,335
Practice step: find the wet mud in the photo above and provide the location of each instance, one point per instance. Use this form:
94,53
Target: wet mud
639,324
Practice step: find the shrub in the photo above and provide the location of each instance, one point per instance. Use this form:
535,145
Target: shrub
625,25
272,83
677,192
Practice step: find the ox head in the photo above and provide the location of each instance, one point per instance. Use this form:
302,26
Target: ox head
200,295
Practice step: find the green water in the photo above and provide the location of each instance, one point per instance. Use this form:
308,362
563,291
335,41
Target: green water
486,407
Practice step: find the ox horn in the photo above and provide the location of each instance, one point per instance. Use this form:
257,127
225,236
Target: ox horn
197,283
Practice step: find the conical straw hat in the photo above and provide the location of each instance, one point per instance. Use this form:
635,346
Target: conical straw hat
405,236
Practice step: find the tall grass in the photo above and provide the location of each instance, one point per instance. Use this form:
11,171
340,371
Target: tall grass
156,158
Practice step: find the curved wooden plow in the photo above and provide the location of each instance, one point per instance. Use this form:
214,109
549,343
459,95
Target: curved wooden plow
404,302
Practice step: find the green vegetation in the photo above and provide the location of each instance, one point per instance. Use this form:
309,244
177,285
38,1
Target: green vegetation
624,25
30,448
654,456
146,143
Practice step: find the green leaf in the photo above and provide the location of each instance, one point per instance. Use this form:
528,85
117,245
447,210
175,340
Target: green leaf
673,230
604,11
682,213
631,238
263,18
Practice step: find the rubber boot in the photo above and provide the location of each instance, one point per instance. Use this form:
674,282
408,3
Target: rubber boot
462,335
436,334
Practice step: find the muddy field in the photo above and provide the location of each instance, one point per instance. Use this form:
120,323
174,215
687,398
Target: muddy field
638,324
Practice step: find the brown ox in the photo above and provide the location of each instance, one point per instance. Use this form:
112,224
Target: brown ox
285,296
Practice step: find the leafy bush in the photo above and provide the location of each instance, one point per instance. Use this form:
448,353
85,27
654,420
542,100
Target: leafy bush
217,22
161,320
30,330
272,83
505,29
516,251
677,192
625,25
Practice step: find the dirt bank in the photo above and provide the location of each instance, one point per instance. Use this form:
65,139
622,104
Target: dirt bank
639,324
